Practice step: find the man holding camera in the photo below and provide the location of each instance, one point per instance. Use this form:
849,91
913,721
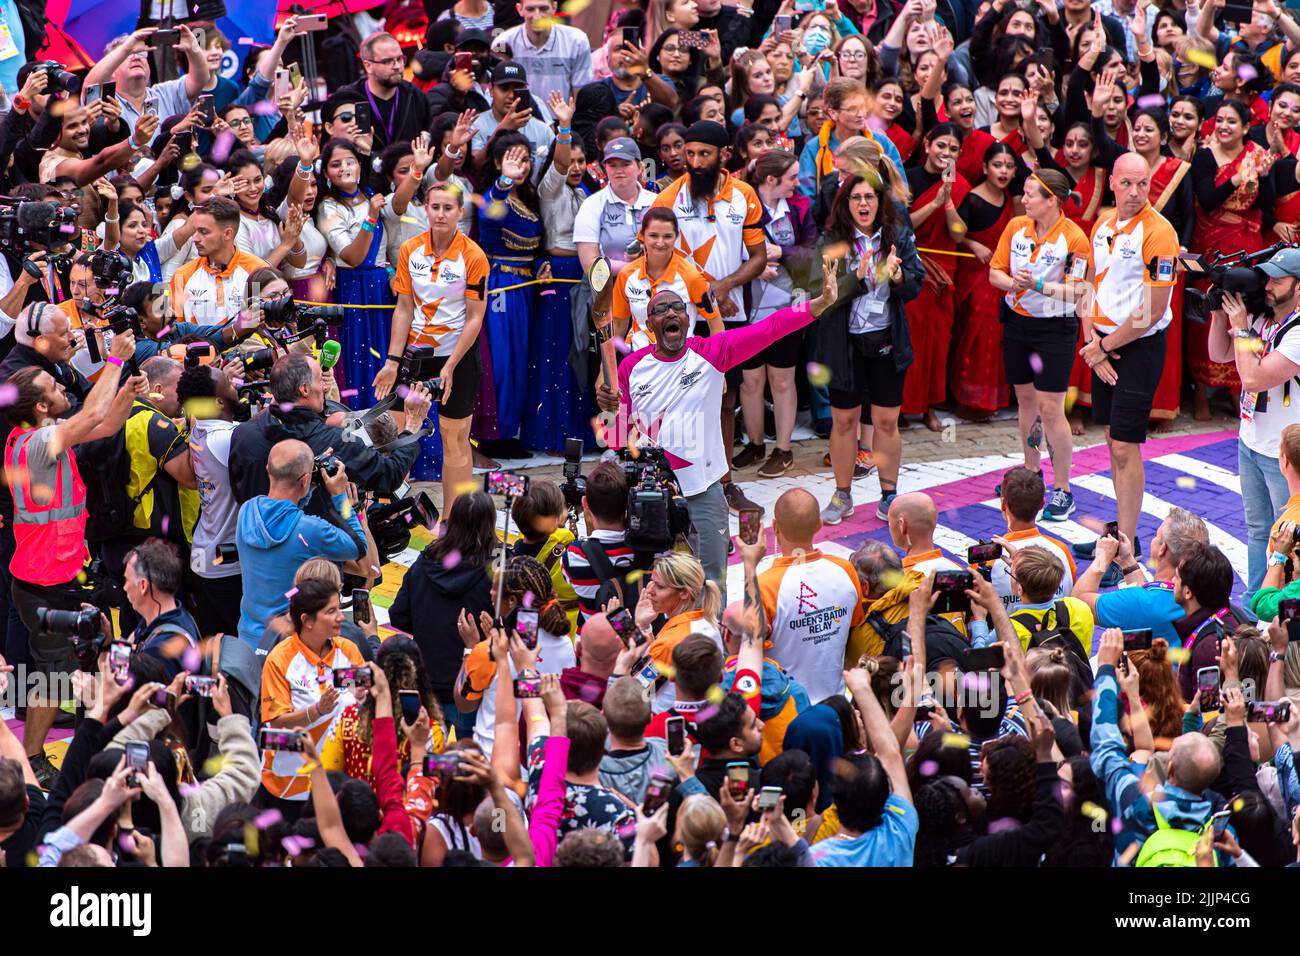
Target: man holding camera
44,273
441,286
669,392
603,555
153,579
214,287
274,536
298,411
1266,351
49,518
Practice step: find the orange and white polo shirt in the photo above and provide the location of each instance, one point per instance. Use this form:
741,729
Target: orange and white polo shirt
814,604
1061,255
1001,576
440,286
714,233
633,290
206,296
1129,257
294,678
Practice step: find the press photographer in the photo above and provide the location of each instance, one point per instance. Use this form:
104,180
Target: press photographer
153,580
50,546
1264,343
143,304
36,244
593,563
296,384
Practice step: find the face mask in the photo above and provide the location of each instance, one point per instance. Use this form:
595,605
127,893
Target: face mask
816,40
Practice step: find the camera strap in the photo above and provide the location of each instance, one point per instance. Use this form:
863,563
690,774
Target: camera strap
354,429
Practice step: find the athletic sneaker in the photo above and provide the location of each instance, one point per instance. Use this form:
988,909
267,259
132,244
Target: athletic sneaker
777,464
863,465
841,507
1112,577
751,454
882,509
1059,506
1084,549
736,500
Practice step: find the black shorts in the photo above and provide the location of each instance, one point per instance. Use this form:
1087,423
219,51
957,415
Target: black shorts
1126,405
464,385
783,353
52,654
877,381
1054,341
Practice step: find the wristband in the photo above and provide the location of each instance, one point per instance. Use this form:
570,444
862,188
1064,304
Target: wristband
114,360
449,154
1277,558
1130,569
21,103
1101,344
1276,657
112,219
304,167
1038,285
505,183
563,130
367,226
1023,696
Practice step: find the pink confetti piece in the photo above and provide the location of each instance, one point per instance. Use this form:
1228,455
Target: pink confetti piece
286,406
303,540
263,108
1036,363
706,713
8,394
529,598
290,593
1152,101
166,522
547,292
188,789
264,820
347,393
163,331
245,41
222,147
191,660
929,768
1246,73
451,559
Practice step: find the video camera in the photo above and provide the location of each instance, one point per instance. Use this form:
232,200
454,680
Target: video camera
656,510
112,271
1238,273
81,628
24,224
418,367
57,78
311,321
390,524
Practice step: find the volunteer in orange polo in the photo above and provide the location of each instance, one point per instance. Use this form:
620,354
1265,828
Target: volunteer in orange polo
213,288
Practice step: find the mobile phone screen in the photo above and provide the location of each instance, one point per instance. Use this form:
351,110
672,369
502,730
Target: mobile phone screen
410,705
361,613
751,526
675,730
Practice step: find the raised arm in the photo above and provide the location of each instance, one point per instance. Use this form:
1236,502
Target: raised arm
879,735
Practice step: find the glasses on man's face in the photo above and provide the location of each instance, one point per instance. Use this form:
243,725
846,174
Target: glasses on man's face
663,308
390,61
235,123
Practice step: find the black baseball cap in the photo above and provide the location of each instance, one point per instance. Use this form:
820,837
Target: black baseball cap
473,36
509,72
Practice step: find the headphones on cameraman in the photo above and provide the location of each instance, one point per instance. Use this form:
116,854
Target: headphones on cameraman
34,317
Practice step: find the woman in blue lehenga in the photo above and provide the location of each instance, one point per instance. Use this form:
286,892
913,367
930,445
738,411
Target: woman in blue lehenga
350,219
510,233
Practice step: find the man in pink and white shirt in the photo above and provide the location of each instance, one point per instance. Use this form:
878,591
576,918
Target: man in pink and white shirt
670,393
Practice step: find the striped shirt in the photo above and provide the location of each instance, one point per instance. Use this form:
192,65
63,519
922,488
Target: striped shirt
583,579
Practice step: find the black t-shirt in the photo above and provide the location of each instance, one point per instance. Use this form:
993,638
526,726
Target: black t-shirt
23,840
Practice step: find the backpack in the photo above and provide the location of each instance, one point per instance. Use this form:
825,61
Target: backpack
942,639
1060,635
105,466
613,584
1169,846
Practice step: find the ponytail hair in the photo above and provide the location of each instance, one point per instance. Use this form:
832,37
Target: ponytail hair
684,571
1054,183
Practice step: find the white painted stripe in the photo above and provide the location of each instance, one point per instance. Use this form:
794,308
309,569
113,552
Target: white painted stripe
1068,530
953,541
1201,470
1233,548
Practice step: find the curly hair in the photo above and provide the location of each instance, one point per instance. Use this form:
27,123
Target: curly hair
1010,770
524,576
403,665
1160,693
940,808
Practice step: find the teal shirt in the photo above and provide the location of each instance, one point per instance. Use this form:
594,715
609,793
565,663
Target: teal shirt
9,66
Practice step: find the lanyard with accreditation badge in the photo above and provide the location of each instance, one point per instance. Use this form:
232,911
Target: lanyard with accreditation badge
1253,403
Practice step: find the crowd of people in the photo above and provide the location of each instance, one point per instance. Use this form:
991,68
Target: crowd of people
241,314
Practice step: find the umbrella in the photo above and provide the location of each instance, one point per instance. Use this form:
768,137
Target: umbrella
61,47
331,8
94,22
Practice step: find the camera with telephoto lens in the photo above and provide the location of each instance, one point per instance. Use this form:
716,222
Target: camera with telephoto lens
390,524
25,224
81,628
57,77
258,361
1237,273
575,482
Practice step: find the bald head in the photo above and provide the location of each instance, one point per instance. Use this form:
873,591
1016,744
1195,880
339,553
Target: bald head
1194,763
732,623
1130,181
796,519
599,645
912,519
288,462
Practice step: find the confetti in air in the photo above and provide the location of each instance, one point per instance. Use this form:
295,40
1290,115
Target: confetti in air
1202,58
290,593
1036,363
1185,481
1151,101
451,559
818,375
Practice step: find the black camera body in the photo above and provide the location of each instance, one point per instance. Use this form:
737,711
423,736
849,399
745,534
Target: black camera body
328,463
391,523
656,510
575,482
81,628
26,224
111,270
419,367
1239,273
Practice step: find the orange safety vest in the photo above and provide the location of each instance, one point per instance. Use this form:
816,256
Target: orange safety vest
51,538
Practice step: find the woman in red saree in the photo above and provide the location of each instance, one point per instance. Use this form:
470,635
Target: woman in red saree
938,189
1234,197
979,379
1171,196
887,116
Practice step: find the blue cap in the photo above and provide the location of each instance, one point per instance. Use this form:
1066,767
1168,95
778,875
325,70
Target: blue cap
1285,263
623,148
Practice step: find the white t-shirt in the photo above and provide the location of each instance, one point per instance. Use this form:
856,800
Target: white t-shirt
219,512
258,237
312,241
1001,570
554,654
1261,431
